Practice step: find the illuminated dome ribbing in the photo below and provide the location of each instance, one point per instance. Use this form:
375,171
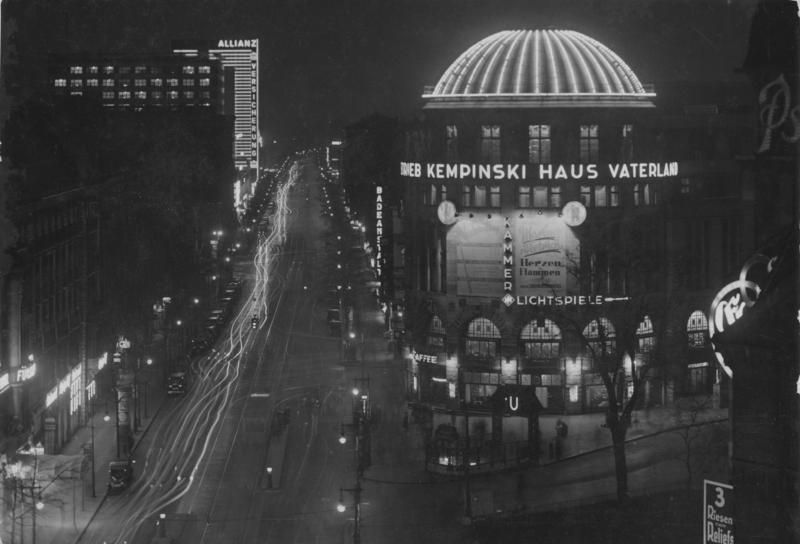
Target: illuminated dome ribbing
538,68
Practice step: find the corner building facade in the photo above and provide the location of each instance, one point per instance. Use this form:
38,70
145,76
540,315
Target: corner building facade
557,209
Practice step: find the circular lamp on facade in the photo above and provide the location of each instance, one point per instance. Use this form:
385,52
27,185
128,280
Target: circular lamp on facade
574,213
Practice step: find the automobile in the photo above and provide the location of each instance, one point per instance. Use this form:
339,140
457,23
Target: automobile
120,475
177,383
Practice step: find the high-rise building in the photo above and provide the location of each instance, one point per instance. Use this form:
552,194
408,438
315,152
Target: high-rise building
241,57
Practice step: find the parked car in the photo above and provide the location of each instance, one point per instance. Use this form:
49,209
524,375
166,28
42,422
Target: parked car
120,475
177,383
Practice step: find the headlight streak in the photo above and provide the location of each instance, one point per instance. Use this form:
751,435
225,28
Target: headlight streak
193,424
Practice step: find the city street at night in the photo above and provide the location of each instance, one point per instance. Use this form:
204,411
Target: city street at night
452,272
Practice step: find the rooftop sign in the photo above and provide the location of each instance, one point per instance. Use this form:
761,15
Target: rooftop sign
538,172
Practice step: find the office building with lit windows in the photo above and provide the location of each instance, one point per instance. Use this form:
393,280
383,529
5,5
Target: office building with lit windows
559,212
142,83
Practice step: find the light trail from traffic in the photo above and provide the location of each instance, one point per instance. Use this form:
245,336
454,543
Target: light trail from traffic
182,443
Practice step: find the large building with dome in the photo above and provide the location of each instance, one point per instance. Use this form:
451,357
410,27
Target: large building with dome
562,218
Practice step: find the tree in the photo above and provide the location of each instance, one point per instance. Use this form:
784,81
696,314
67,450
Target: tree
704,442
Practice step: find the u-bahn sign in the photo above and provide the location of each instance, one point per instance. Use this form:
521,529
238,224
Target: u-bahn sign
516,400
733,300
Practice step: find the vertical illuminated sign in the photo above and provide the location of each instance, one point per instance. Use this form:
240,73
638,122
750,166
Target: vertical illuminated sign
379,231
242,56
508,265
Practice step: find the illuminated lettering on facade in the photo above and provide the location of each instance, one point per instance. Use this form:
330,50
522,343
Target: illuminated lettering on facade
26,373
733,300
424,358
776,110
508,264
545,172
379,231
237,44
577,300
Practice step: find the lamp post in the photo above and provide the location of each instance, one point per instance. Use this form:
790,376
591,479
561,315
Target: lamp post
92,404
341,508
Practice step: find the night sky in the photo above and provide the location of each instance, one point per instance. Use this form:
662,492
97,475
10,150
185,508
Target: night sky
327,63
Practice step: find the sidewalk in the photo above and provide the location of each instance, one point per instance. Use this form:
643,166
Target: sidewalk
70,505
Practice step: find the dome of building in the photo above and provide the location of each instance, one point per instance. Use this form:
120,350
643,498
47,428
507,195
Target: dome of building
538,68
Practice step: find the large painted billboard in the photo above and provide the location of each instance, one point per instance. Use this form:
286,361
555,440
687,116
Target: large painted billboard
544,253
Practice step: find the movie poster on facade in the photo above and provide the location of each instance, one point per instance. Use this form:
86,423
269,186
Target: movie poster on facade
475,257
546,252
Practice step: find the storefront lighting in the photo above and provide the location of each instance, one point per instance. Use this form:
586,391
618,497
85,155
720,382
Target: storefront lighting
355,391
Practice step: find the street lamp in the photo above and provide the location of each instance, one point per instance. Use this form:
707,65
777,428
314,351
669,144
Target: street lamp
340,507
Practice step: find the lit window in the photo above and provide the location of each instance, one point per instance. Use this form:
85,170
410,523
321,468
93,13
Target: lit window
141,70
205,82
555,196
91,83
480,196
524,196
600,196
141,95
93,69
188,69
541,340
60,83
613,196
76,69
108,95
490,143
697,330
123,83
645,338
156,95
188,82
172,82
494,196
540,196
686,186
156,82
188,94
75,83
108,69
108,83
586,195
124,95
483,339
173,95
589,143
204,69
539,143
140,82
205,94
466,196
600,337
451,143
643,194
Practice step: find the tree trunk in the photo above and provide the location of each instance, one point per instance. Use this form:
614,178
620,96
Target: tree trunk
620,462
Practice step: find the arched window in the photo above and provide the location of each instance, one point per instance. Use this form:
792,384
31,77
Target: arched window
483,338
436,333
601,336
697,330
645,338
541,340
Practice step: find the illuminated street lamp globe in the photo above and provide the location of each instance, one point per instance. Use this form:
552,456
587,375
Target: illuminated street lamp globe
355,391
341,507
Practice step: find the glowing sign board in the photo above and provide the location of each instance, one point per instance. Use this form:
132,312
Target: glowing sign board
544,172
717,513
733,300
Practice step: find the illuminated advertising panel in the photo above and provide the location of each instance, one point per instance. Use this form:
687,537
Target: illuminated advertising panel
475,257
547,253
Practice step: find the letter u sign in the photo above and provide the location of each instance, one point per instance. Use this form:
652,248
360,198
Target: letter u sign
513,403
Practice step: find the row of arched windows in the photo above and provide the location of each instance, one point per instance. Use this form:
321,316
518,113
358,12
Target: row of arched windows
541,338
